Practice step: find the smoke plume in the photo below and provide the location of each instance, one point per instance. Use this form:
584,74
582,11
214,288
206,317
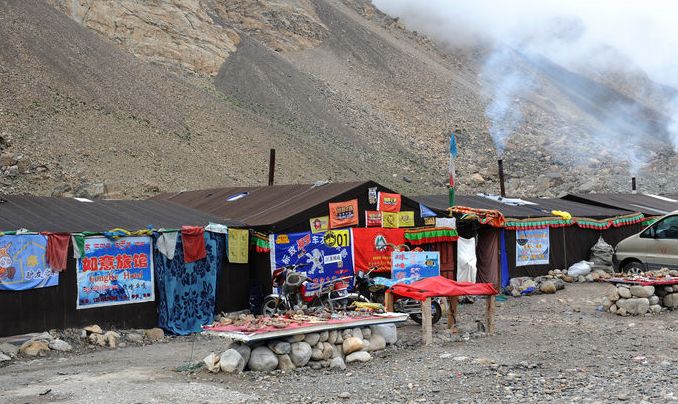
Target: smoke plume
577,44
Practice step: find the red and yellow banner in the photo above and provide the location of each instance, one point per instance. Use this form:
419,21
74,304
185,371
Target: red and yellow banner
372,247
389,202
372,218
344,214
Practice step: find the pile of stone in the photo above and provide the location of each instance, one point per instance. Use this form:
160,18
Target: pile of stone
94,335
637,300
554,281
39,345
328,349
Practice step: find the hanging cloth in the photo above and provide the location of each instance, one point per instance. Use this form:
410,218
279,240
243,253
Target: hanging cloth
57,251
466,259
167,243
78,246
193,241
238,245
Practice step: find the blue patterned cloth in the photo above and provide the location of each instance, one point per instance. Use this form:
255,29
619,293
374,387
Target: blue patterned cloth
186,292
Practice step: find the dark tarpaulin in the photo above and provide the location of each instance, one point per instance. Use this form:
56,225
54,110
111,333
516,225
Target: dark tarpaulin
487,252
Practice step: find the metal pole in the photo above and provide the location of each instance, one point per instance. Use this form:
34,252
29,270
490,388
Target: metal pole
271,167
502,190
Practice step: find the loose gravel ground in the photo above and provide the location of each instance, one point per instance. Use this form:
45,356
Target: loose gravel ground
546,348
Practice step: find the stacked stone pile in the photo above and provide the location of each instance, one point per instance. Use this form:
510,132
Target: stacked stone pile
637,300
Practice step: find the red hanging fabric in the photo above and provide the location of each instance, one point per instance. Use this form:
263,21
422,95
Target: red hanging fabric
57,251
193,242
439,286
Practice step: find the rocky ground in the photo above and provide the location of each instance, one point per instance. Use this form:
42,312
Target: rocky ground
556,347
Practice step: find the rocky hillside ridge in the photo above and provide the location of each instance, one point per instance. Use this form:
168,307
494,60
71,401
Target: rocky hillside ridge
342,90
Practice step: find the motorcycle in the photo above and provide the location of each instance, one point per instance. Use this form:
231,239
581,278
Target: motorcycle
368,288
297,292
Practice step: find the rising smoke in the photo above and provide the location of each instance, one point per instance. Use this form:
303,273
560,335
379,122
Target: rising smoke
560,39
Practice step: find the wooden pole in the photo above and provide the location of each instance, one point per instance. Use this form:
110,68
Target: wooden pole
452,303
490,315
271,167
388,301
426,321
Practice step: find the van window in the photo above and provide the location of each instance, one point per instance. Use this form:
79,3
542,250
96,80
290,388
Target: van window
667,228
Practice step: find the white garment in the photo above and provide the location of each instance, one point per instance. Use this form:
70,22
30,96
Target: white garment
466,260
167,243
217,228
446,222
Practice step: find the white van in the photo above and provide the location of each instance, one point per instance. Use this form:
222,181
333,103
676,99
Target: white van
653,248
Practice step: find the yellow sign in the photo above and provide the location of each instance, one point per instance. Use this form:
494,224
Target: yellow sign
389,220
238,246
406,219
319,224
337,238
282,239
429,221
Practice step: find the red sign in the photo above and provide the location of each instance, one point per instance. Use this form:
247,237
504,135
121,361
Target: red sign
344,214
389,202
371,247
372,218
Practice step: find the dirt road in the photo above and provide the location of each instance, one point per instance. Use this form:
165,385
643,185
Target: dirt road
546,348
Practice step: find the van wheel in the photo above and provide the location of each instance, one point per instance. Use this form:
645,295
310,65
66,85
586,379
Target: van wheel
634,268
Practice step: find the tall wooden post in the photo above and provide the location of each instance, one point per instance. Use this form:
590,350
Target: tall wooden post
427,321
490,314
452,303
388,301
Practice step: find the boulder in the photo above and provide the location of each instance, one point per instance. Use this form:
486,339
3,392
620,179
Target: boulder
332,337
641,291
613,295
623,292
93,329
352,344
567,278
622,312
613,308
280,347
135,338
212,362
589,278
340,338
312,338
155,334
377,343
642,306
4,358
244,351
360,356
655,309
367,333
581,279
262,359
315,365
231,361
606,303
296,338
346,333
59,345
328,350
560,284
548,287
388,331
300,353
337,363
285,363
324,336
357,332
97,339
316,354
34,348
654,299
111,338
671,300
8,349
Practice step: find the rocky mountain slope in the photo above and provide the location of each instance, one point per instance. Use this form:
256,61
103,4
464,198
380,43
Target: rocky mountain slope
131,97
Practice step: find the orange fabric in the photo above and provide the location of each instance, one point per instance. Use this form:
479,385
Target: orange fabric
193,243
57,250
485,216
389,202
439,286
344,214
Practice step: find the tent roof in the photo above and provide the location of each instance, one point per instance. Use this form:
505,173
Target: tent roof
542,206
71,215
650,205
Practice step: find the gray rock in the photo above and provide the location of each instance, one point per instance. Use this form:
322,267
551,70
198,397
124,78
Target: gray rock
337,363
332,337
548,287
340,338
285,363
328,350
357,333
232,362
347,333
262,359
377,343
312,338
244,351
315,365
388,331
60,345
45,336
324,336
360,356
135,338
5,358
367,333
624,292
613,308
622,312
300,353
316,354
671,300
654,300
560,284
9,349
655,309
296,338
344,394
280,347
641,291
